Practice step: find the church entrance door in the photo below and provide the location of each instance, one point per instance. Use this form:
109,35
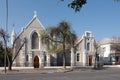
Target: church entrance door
90,61
36,62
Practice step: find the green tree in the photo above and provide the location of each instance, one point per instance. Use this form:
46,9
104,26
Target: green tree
59,39
1,54
10,51
76,4
5,36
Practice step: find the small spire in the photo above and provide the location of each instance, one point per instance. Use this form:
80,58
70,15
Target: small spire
35,13
13,25
13,31
13,35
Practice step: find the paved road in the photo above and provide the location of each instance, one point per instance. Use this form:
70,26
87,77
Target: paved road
106,74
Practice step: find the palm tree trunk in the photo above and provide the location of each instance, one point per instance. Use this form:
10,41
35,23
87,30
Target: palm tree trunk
64,60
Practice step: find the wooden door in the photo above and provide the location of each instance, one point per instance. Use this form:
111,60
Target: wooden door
90,61
36,62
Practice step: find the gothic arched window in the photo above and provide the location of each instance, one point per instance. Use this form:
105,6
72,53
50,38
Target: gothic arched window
78,57
88,46
35,41
27,58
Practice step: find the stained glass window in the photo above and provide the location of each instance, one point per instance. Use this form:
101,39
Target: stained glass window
35,41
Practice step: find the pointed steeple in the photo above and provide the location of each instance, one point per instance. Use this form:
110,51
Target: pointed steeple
13,35
35,14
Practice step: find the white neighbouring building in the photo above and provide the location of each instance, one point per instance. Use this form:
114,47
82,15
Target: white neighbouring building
34,54
110,56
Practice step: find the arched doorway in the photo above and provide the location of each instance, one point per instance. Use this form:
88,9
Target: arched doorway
90,61
36,62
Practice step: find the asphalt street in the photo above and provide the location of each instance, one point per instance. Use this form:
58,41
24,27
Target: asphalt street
85,74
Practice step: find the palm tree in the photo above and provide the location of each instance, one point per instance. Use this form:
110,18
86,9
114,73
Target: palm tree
61,39
1,54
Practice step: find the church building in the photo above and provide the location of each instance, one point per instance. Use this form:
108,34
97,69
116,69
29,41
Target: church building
34,54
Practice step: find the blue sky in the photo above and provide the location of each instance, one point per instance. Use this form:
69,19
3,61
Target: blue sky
102,17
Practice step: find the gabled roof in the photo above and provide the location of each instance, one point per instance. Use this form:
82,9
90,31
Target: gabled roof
34,17
79,39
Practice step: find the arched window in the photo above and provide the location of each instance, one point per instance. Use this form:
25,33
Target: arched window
88,46
78,57
27,58
35,41
45,57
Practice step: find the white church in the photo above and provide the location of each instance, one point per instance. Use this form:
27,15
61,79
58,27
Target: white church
34,54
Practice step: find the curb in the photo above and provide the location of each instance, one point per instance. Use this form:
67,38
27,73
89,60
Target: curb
31,71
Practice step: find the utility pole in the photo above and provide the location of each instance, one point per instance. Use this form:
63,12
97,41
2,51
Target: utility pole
5,41
6,15
5,53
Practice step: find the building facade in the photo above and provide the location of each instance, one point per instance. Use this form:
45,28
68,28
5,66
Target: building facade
85,54
34,54
110,55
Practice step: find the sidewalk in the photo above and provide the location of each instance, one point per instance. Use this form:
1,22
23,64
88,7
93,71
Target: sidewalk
41,71
26,71
55,69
